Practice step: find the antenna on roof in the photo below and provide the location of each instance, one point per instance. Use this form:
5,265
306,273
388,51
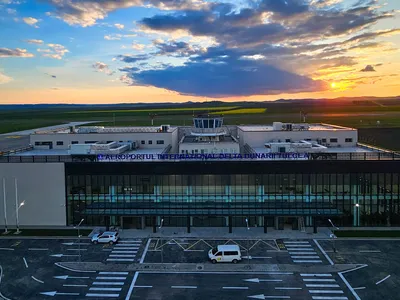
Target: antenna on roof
152,117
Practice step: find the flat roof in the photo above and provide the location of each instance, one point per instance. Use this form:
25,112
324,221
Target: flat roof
327,150
313,127
222,139
103,129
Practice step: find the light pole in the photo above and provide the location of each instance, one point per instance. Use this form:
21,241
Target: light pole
79,239
162,256
333,236
5,206
357,216
248,242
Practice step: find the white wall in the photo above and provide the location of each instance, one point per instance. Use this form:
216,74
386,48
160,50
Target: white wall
259,138
210,147
41,186
67,138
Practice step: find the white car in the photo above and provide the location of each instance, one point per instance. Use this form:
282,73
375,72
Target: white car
109,237
225,253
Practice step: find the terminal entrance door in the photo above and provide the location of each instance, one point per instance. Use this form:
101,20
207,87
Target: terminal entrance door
287,223
132,223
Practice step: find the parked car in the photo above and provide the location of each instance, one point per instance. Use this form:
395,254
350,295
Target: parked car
225,253
110,237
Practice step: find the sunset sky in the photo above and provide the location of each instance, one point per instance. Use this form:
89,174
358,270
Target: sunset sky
105,51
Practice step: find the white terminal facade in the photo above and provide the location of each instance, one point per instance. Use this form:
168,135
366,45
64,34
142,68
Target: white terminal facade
207,174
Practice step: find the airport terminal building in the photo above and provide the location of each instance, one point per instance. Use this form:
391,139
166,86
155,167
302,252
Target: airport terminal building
284,175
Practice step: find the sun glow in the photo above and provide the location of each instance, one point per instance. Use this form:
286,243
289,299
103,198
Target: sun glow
333,85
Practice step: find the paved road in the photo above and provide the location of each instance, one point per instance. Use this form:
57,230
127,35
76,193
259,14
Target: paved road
30,272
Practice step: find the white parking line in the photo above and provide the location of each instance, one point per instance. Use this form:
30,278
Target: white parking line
300,249
126,252
380,281
323,252
122,255
127,248
275,297
301,245
329,298
105,289
360,288
75,285
143,286
318,280
307,253
113,273
77,249
120,259
297,257
107,283
8,249
288,288
316,275
307,261
130,241
102,295
348,285
111,278
326,292
297,242
183,287
38,249
34,278
369,251
127,245
235,287
128,296
145,251
26,264
323,285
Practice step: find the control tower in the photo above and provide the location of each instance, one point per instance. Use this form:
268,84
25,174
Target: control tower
206,127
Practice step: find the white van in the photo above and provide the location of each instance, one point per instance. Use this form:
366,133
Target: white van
225,253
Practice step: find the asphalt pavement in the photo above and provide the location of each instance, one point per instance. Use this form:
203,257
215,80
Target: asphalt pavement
31,269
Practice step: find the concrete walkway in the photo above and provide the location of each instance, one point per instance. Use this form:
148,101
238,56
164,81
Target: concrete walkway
222,232
206,267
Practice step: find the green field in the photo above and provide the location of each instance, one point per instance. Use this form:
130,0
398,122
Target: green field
378,124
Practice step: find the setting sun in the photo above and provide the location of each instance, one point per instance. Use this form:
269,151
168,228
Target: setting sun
333,85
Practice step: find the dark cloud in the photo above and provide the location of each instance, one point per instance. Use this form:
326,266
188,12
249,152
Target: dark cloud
229,78
368,68
284,7
133,58
261,49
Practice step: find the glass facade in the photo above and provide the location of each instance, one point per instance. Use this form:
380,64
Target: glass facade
207,194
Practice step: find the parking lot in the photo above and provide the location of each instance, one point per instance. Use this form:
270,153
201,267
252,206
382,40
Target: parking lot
28,267
29,270
254,251
378,279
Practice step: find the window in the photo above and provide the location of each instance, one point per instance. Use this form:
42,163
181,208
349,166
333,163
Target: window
324,140
287,140
183,151
308,140
227,253
150,142
60,143
160,142
143,142
90,142
74,142
333,140
218,254
37,143
282,149
348,140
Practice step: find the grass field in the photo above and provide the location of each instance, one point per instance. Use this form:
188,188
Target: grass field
378,124
242,111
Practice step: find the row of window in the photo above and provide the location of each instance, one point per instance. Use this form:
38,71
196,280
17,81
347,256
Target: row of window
331,140
61,143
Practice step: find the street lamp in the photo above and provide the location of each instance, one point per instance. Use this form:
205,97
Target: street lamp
17,206
248,242
333,236
161,225
5,206
357,216
79,238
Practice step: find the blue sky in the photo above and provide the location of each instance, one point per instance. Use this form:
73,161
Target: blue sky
177,50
